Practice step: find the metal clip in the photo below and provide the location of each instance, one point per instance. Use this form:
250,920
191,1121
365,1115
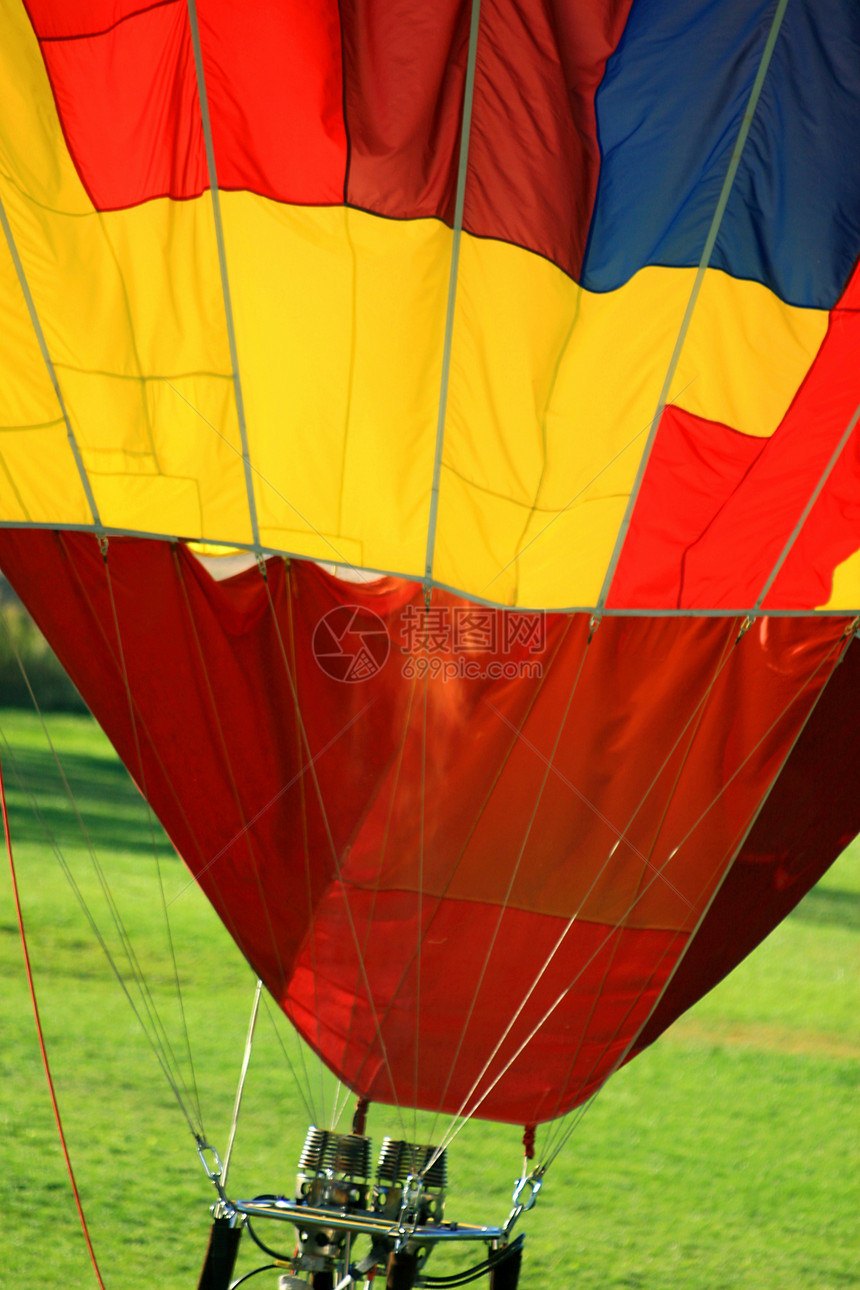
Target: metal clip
851,633
534,1180
745,626
214,1174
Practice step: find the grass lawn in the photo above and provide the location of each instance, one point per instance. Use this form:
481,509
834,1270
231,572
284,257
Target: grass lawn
727,1156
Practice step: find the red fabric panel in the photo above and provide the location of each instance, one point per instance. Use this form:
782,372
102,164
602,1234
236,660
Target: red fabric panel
549,840
594,996
74,18
126,89
127,99
831,394
640,685
715,510
124,80
275,86
694,469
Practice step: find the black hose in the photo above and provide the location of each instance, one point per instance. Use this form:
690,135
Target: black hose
472,1274
285,1258
266,1267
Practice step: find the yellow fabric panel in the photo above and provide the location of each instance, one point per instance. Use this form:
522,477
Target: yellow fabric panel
174,504
339,323
34,446
537,579
553,390
594,385
36,468
339,331
845,592
29,399
131,306
32,146
745,354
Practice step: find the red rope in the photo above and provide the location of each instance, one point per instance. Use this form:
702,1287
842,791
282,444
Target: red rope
32,986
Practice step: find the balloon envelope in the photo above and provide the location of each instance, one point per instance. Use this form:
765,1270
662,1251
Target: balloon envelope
545,307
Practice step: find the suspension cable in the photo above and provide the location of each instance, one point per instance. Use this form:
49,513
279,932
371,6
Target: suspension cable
693,725
300,1087
32,987
103,543
440,895
244,831
628,911
154,1031
240,1089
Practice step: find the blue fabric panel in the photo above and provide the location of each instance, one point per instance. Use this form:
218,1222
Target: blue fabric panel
669,112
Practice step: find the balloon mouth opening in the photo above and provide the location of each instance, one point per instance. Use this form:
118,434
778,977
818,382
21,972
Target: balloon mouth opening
222,563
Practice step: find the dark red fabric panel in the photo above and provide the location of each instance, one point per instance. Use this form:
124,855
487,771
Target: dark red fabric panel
715,510
404,78
549,839
534,156
126,90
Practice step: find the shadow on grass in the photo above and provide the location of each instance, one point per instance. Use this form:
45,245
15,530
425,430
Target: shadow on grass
829,907
113,811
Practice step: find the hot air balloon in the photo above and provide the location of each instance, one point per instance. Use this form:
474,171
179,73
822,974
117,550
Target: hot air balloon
429,442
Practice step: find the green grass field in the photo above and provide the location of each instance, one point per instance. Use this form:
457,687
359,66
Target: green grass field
726,1156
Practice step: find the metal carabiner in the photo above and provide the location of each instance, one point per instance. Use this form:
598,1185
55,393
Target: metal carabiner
216,1173
534,1180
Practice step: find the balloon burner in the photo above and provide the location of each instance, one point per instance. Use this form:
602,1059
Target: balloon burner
334,1174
